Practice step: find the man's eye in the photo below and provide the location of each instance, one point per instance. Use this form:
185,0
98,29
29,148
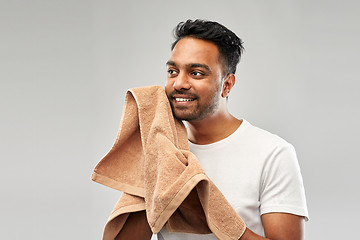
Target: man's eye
198,74
171,72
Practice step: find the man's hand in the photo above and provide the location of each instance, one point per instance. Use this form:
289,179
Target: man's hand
279,226
136,228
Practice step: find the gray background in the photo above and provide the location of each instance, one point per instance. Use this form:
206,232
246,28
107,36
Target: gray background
65,66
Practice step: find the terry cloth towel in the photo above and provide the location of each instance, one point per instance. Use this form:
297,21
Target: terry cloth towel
151,164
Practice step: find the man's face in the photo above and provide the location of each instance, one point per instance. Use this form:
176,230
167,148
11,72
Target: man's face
194,78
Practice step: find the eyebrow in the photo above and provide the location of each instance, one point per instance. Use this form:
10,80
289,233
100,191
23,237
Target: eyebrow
191,65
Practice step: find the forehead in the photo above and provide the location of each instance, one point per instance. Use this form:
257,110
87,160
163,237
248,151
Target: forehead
191,50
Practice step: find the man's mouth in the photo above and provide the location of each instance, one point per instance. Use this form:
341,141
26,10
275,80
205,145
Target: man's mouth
183,99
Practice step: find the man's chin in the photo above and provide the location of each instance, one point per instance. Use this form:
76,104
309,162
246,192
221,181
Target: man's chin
185,117
185,114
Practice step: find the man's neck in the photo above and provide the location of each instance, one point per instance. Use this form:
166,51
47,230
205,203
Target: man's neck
212,129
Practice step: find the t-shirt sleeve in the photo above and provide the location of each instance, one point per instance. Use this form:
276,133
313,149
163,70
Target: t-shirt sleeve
282,188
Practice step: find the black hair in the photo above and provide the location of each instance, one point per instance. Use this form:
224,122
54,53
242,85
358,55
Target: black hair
229,45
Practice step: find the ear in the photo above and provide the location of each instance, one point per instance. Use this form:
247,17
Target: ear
229,82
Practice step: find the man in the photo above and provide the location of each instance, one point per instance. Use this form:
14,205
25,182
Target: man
256,171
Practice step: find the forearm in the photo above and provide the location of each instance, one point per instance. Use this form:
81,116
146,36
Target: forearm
278,226
136,228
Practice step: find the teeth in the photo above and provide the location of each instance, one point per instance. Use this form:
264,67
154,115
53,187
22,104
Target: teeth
183,99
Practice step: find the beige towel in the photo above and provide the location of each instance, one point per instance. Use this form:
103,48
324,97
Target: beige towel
151,163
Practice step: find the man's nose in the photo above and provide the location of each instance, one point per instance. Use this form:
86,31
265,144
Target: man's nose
181,82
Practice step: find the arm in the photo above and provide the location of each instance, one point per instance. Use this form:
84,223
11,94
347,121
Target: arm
136,227
282,185
279,226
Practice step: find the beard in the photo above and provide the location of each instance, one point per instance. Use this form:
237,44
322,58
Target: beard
200,109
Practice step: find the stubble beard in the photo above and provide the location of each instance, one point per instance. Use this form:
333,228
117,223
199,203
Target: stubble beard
199,112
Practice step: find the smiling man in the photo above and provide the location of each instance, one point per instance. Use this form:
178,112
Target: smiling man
257,171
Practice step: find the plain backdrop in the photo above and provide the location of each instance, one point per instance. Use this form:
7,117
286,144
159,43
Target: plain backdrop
66,65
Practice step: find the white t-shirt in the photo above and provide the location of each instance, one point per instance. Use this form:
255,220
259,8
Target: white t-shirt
257,172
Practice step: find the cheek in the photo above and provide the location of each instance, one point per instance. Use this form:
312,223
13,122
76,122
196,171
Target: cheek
204,88
168,86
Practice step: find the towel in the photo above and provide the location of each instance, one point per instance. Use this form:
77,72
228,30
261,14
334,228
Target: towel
151,164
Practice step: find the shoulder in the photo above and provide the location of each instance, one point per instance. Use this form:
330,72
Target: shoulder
263,139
